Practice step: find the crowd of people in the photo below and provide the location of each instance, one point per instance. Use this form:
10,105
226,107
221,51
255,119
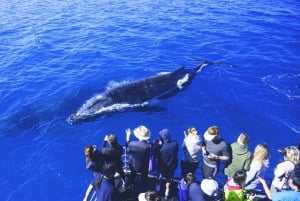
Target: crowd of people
244,170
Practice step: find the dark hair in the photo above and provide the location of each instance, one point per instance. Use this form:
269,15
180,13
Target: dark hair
88,151
239,177
109,170
189,178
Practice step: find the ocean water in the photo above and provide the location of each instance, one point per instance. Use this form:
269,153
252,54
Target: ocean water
57,54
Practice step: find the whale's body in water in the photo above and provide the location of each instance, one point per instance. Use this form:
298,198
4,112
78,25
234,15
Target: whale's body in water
135,94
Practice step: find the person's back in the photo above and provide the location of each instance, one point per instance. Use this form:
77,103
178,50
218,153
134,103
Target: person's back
283,169
168,158
113,153
233,188
103,184
258,166
285,195
106,190
240,156
166,152
139,152
191,146
214,151
195,192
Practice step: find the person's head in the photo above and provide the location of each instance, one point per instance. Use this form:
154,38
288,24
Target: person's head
211,133
239,177
243,139
165,135
292,154
109,170
142,133
88,151
149,196
210,187
192,131
189,178
261,153
112,139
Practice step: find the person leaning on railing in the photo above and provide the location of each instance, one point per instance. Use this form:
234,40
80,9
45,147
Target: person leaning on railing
291,159
215,149
285,195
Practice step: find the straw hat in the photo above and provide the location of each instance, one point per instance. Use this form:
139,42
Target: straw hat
142,133
211,133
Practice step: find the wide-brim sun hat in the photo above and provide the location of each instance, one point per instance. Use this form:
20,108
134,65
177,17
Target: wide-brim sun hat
142,133
211,133
209,187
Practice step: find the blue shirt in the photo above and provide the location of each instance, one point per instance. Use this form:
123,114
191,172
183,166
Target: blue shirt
106,191
140,153
196,193
286,196
218,147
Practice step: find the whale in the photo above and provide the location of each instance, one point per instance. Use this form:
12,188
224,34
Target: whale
136,94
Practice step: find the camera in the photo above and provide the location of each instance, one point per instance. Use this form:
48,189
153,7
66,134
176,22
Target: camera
282,151
247,194
287,149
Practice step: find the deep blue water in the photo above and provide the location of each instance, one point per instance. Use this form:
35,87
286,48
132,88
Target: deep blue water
57,54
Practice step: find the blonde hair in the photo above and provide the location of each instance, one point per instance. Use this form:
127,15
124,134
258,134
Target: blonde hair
192,130
192,133
292,154
243,138
261,152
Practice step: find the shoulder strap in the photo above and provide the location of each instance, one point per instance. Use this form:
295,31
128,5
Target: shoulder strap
99,181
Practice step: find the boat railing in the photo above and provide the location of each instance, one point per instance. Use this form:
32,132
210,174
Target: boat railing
220,178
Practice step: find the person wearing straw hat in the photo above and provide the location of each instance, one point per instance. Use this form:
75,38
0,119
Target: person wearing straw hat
214,151
140,152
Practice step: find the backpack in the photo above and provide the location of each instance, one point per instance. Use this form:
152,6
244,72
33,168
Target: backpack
182,191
